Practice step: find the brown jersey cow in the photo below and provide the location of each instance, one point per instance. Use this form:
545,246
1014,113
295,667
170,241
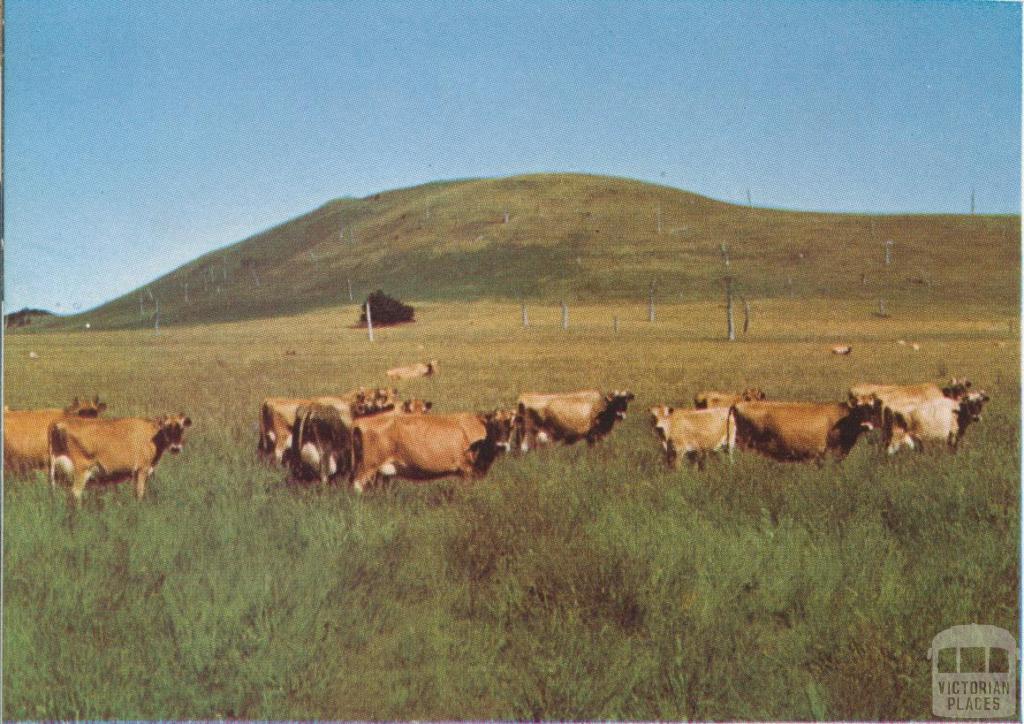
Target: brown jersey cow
410,372
568,417
426,447
709,398
112,450
277,416
693,433
799,430
942,420
25,440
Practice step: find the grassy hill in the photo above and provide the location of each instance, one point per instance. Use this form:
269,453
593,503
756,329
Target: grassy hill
581,238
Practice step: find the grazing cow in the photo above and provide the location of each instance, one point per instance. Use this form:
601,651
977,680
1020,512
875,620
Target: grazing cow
799,430
277,416
569,417
941,420
704,400
693,433
112,450
321,446
878,397
25,441
842,349
420,369
425,447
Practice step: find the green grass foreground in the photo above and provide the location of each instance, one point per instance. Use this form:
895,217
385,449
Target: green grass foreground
573,583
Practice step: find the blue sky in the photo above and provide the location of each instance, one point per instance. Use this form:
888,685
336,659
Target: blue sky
140,135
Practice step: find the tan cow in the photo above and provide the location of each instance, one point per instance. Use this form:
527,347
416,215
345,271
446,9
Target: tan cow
693,433
426,447
278,414
942,420
112,450
704,400
842,349
568,417
420,369
877,397
25,440
799,430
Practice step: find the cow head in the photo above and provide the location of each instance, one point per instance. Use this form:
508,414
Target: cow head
617,402
957,388
661,421
970,408
753,394
432,367
379,400
86,407
416,406
171,435
498,425
499,428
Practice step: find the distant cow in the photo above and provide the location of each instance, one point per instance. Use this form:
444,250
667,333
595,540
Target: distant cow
321,444
942,420
25,440
799,430
112,450
704,400
842,349
693,433
420,369
425,447
277,416
568,417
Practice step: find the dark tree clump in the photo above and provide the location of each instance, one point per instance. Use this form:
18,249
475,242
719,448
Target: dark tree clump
386,310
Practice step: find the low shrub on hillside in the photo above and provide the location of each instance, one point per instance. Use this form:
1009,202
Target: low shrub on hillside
386,310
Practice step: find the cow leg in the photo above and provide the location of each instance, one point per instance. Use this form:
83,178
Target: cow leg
141,476
78,484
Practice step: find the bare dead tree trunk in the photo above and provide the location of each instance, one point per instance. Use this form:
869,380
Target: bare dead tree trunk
349,289
369,320
565,316
526,317
650,303
746,315
615,325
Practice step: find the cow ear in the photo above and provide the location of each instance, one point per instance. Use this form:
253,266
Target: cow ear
187,421
671,410
427,405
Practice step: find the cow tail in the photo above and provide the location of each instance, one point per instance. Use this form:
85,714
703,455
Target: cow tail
520,425
297,431
266,424
57,442
356,452
730,430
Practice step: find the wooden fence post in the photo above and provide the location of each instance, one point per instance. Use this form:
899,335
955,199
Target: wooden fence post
650,303
565,315
746,315
349,289
615,324
730,329
526,317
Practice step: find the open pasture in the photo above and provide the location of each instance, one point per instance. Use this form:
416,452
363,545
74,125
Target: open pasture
569,583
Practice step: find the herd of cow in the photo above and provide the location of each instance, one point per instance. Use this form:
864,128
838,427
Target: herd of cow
365,436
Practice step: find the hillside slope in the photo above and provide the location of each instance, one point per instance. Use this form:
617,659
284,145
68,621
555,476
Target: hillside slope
552,236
